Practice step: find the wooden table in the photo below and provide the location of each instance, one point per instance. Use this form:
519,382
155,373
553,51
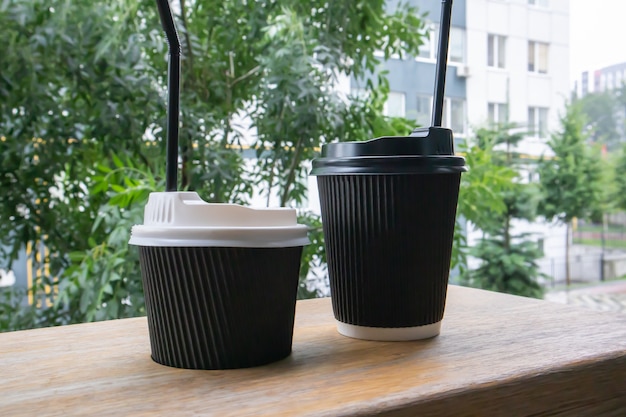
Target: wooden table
497,355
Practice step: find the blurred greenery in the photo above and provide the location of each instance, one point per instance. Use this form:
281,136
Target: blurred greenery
480,196
508,262
604,123
572,181
82,110
619,193
608,243
601,121
509,267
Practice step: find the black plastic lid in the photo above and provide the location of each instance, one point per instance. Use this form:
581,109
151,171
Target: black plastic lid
427,150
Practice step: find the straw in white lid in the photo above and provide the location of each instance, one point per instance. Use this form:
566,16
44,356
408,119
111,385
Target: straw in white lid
184,219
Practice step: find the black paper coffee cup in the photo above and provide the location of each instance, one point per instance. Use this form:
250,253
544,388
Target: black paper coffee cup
220,281
388,212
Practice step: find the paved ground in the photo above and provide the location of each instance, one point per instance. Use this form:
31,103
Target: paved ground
609,296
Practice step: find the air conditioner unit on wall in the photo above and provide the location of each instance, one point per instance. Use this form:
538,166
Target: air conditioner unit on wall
462,71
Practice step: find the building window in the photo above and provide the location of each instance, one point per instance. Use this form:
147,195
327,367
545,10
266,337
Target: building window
456,51
424,104
454,115
426,50
538,121
538,57
395,105
497,113
540,3
496,47
456,47
618,79
602,82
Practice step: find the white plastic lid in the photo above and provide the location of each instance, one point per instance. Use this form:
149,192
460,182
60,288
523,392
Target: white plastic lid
184,219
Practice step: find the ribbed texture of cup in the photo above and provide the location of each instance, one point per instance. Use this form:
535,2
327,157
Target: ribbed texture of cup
220,308
388,246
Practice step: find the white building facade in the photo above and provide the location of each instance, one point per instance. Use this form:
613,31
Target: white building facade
518,60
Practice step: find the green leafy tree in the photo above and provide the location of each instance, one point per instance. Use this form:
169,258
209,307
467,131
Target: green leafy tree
508,262
619,195
75,85
480,196
509,267
82,105
601,121
571,180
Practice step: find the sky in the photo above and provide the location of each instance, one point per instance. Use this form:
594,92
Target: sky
597,35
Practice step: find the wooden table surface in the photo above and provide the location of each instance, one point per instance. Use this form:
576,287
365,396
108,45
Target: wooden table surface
497,355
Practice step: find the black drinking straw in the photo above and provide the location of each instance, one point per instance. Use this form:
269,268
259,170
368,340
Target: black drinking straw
173,94
442,61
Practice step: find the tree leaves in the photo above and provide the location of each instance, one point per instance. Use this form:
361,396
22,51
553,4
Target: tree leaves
82,110
601,117
511,268
619,195
491,198
570,181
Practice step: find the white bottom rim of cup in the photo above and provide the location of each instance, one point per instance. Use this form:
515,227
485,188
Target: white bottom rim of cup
389,334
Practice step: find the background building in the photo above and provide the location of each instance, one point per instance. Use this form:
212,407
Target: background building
519,65
608,78
508,62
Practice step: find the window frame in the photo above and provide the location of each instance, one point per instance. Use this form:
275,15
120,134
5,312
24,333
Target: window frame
535,128
536,55
427,115
447,114
498,110
433,41
496,51
403,106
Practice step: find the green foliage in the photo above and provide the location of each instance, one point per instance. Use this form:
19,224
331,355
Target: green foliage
480,196
483,186
491,200
619,195
313,256
571,180
502,138
509,267
67,97
74,85
14,315
600,111
82,105
104,280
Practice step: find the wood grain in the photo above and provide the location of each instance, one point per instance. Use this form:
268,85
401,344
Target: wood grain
497,355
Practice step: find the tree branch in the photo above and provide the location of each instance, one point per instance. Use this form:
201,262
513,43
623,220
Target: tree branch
292,172
183,16
246,75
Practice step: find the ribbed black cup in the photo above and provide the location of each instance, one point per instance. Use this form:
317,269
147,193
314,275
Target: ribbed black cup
388,246
218,307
